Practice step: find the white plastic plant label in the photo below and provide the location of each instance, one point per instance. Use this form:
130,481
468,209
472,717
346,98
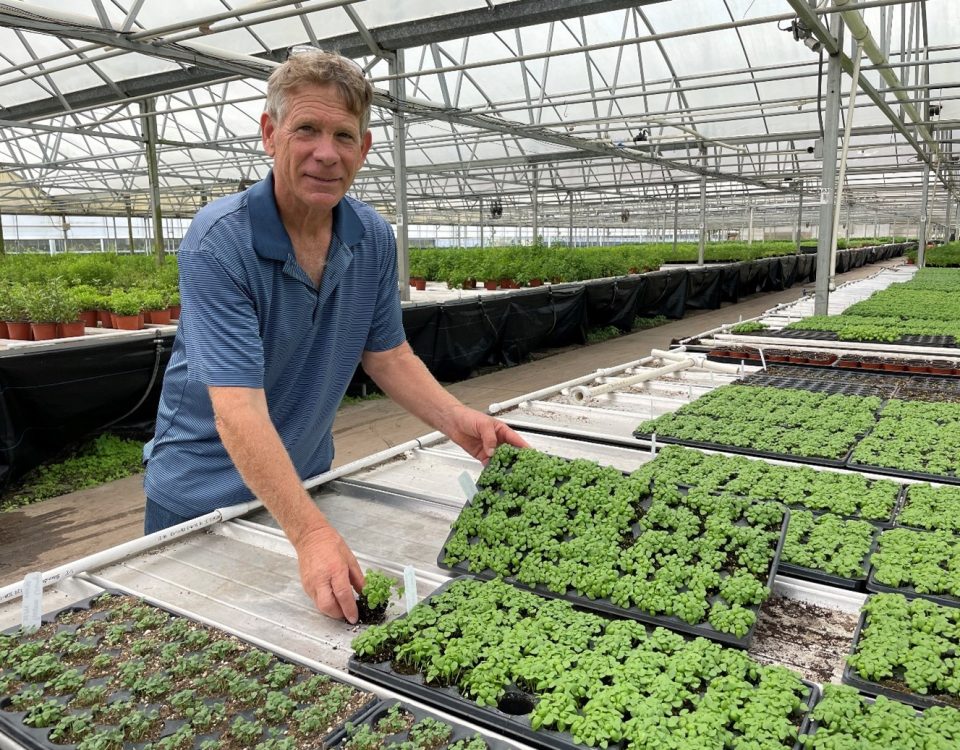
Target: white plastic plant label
409,587
467,485
32,601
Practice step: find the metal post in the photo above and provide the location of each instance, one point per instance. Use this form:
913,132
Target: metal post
536,205
701,249
481,222
3,248
922,238
828,183
799,215
570,234
946,223
750,227
395,68
676,216
149,117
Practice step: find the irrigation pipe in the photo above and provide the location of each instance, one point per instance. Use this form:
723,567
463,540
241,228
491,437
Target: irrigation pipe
559,387
700,360
582,393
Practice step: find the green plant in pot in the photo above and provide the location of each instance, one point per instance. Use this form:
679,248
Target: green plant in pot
373,600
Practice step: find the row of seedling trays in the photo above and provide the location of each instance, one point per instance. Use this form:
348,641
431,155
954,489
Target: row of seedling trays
541,660
117,672
537,668
752,356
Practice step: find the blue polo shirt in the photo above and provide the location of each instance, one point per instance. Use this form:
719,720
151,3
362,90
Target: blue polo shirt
251,317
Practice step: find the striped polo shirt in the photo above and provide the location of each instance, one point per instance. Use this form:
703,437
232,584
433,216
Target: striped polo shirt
251,317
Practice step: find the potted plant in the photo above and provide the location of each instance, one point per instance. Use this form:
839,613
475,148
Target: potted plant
155,309
372,603
14,313
89,300
125,310
50,306
173,302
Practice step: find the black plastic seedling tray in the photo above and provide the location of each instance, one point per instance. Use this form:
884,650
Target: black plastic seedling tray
511,720
833,463
31,738
607,607
900,473
818,576
875,688
458,731
828,387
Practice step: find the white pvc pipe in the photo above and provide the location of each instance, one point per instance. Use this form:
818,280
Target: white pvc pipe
133,547
554,389
376,458
808,344
700,359
581,393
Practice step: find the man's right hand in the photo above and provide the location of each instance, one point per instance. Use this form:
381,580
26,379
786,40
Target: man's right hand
329,573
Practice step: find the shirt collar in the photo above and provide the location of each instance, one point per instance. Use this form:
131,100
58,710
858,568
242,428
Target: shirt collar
270,238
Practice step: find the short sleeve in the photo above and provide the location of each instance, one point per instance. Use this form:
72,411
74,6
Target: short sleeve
219,322
386,328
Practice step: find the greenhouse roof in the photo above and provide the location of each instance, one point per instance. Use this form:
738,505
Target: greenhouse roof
598,106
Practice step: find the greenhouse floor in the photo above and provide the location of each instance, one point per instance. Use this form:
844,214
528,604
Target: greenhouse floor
63,529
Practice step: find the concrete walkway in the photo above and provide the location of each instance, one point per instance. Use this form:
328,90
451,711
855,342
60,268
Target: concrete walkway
59,530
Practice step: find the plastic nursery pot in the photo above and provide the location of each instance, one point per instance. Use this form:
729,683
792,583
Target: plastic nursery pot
106,318
89,318
18,330
157,317
506,283
174,312
127,322
850,364
43,331
4,333
470,284
536,282
797,359
894,366
69,330
490,284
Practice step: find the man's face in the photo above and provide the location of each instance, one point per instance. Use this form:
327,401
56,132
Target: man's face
316,149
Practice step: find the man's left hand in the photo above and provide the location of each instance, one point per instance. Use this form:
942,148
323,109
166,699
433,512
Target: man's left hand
477,433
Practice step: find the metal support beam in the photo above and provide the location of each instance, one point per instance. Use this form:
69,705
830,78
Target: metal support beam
701,249
395,65
149,120
535,205
3,249
750,226
922,235
799,215
570,241
126,202
676,216
831,125
481,222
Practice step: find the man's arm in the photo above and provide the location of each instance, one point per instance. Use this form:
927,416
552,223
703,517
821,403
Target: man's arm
404,378
328,570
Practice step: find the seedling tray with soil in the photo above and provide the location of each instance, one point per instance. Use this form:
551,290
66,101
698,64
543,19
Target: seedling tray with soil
553,675
394,725
906,650
917,563
769,422
827,549
691,560
114,672
844,718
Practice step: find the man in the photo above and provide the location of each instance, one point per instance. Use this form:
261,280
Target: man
285,288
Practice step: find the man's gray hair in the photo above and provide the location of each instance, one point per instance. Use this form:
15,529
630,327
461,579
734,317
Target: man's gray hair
320,68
